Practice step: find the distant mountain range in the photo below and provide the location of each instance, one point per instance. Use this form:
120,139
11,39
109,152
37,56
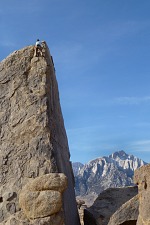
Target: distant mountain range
116,170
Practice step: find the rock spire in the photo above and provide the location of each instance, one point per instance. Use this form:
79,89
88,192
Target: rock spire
33,140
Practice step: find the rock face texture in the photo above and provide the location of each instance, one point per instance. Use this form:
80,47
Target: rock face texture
19,219
127,213
81,207
142,178
33,140
42,197
107,203
116,170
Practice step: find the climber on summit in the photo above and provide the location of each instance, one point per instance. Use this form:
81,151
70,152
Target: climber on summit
38,48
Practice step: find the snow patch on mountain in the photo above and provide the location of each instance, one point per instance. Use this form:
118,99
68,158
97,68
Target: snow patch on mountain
116,170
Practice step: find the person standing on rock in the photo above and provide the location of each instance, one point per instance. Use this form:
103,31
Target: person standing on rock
38,48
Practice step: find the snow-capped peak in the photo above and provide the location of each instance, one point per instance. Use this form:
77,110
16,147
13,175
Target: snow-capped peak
116,170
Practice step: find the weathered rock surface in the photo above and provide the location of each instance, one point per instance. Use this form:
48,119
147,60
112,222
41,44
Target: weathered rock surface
107,203
81,207
51,220
142,178
51,181
40,204
33,140
19,219
43,196
127,213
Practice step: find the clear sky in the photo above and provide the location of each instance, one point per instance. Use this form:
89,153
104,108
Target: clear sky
101,51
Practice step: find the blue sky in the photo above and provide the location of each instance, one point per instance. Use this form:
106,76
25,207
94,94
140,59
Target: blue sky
101,51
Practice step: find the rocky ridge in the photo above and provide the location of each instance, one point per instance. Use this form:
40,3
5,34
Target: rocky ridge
77,166
32,134
116,170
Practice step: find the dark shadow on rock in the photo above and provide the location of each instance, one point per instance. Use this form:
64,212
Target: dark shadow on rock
89,218
130,222
107,203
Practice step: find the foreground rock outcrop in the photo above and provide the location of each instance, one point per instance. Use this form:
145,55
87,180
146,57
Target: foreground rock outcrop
42,197
142,178
127,213
107,203
33,140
